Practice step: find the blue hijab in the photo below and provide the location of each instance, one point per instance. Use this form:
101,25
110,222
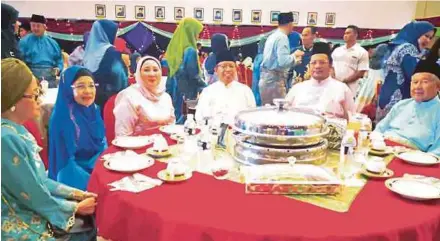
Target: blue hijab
102,36
294,40
411,32
219,43
133,63
73,126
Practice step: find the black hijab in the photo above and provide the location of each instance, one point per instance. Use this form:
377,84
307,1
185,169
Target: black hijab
9,40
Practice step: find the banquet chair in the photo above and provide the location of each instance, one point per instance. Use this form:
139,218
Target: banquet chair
33,128
109,119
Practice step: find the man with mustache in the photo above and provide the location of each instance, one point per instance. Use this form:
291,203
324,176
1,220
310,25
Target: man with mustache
226,97
415,122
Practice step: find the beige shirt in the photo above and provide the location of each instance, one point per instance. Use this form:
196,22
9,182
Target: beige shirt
328,96
346,61
226,101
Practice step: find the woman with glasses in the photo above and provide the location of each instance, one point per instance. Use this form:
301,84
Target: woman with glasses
144,105
76,129
33,206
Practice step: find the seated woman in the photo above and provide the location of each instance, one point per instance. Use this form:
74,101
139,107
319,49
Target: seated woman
144,105
76,129
34,207
415,122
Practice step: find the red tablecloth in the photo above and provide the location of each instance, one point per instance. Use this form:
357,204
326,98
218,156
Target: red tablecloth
207,209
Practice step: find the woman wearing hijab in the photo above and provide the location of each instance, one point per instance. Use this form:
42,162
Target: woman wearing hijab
9,39
76,129
184,79
34,207
367,95
219,43
104,61
256,71
144,105
400,65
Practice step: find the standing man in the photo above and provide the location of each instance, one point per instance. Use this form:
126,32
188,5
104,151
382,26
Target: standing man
308,36
350,60
41,53
277,60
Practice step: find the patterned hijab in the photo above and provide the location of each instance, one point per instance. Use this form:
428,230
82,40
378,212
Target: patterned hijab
185,36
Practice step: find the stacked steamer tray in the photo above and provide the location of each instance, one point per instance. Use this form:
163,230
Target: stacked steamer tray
270,135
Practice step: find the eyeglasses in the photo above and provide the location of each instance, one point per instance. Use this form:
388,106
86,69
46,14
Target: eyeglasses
33,96
83,87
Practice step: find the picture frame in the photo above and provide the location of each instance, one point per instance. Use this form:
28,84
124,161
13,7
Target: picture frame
159,12
295,17
199,14
312,18
120,11
179,13
139,12
237,15
217,14
330,18
256,16
100,10
274,17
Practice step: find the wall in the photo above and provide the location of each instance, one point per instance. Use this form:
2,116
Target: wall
366,14
426,9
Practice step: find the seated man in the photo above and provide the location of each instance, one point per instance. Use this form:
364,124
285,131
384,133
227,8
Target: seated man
415,122
322,93
224,98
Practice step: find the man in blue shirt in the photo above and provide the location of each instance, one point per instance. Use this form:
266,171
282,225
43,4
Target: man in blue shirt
41,53
277,61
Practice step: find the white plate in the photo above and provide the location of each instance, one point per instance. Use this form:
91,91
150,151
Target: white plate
413,189
163,175
130,163
419,158
132,142
172,129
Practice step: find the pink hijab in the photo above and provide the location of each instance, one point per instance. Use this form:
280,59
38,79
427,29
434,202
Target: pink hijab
152,95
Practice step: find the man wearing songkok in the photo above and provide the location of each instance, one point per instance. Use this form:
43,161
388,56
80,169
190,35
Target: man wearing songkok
322,93
308,36
415,122
224,98
40,52
350,60
277,60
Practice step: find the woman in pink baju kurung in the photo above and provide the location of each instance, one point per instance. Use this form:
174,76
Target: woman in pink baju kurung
144,105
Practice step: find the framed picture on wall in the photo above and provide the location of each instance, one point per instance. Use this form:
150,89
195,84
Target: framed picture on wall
237,15
159,12
330,18
100,10
312,18
139,12
256,16
295,17
274,17
179,13
218,14
198,13
120,11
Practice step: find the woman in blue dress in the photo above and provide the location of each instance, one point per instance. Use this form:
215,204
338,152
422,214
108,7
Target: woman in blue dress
400,65
76,129
104,61
256,71
184,77
219,43
34,207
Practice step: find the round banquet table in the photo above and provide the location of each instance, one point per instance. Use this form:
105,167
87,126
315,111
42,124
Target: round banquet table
206,209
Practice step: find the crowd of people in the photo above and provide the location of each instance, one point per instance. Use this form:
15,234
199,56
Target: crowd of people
334,82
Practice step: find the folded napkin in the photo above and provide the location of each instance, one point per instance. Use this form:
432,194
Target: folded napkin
430,180
135,183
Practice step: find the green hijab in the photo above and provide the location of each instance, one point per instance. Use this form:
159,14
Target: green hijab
185,36
16,78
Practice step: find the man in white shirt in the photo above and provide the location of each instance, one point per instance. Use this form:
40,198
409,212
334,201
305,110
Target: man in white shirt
350,61
225,98
322,93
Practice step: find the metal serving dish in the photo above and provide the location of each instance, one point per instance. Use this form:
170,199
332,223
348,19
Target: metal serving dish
280,126
248,153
